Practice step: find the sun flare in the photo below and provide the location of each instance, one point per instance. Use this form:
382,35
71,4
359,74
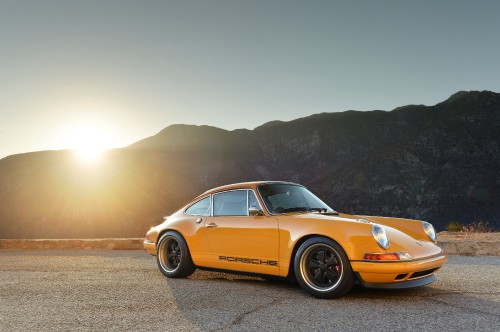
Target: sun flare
90,154
90,142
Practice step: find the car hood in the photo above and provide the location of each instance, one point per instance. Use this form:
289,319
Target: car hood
404,234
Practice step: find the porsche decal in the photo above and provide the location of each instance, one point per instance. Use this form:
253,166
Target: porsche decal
248,260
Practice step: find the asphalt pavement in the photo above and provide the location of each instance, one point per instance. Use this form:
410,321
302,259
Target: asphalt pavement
89,290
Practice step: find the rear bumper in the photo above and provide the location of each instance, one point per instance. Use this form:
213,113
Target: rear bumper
150,247
398,274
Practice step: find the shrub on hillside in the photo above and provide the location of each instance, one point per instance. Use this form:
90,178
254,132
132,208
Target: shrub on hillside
455,226
479,227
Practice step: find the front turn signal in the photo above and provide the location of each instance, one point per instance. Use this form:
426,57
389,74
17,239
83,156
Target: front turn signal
387,256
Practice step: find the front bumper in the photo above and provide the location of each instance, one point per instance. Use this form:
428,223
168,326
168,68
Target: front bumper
398,274
400,284
150,247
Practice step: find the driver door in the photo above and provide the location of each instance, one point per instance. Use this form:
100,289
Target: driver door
239,241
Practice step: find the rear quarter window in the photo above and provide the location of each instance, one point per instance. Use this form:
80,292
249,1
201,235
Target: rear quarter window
200,208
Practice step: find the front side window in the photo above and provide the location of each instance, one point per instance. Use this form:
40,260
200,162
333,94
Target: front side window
200,208
231,203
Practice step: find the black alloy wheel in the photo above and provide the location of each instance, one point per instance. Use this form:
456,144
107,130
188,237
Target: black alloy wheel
173,254
322,268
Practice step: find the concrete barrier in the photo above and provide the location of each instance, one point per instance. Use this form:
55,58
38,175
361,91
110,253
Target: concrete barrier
453,243
107,244
470,244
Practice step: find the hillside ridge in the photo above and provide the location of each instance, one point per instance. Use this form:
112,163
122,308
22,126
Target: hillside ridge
440,163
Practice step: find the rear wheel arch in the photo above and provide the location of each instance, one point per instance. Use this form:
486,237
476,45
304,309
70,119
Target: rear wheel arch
160,234
179,267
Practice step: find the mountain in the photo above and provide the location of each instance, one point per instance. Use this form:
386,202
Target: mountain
440,163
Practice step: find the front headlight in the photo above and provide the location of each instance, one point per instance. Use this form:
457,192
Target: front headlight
429,230
380,236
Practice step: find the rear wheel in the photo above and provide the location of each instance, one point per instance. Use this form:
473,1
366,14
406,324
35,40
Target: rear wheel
173,257
322,268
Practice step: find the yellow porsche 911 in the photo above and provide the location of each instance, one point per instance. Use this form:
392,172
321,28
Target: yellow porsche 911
281,229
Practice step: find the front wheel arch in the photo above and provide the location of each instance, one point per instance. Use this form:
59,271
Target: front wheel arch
322,268
291,267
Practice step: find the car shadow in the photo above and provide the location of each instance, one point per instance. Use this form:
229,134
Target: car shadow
220,301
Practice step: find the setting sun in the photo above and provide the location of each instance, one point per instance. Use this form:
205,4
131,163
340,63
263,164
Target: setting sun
90,154
90,141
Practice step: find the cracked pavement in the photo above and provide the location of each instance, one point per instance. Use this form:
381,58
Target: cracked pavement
87,290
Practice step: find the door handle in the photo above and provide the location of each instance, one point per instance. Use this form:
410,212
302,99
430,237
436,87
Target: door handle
211,225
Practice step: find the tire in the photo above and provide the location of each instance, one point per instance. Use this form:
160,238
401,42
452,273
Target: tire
173,257
322,268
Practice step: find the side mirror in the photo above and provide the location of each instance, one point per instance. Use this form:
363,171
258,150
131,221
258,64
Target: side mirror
253,211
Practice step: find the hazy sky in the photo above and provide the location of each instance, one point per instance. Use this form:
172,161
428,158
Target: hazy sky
71,69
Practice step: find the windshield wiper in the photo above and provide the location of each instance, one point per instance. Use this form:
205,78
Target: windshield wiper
317,210
306,209
294,209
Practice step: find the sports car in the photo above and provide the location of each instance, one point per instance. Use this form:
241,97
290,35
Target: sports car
281,229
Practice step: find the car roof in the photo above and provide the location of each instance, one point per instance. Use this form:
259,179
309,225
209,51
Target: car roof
243,185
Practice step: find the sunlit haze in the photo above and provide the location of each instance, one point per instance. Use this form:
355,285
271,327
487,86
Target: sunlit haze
90,75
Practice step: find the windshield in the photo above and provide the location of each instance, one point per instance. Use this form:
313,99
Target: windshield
283,198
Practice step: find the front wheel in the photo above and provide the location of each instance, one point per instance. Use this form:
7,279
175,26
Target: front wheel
322,268
172,256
